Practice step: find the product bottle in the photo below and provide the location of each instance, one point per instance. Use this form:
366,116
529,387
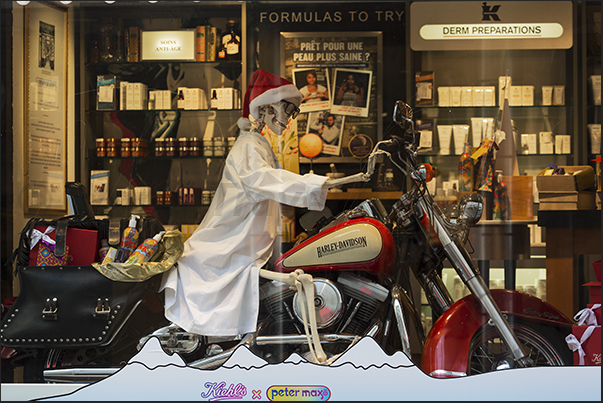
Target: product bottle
466,170
146,249
102,252
129,240
214,100
231,41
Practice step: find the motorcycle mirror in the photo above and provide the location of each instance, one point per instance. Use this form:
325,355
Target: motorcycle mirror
471,207
402,114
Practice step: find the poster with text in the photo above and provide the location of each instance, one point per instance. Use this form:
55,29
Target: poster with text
334,56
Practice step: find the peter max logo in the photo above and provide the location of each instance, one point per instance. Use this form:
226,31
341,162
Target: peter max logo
298,393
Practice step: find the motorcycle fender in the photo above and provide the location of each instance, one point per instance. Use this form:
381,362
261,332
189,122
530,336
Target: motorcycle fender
446,351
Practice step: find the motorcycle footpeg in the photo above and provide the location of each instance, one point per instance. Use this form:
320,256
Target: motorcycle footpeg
174,339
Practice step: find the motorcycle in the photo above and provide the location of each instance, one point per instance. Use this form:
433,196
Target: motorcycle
350,278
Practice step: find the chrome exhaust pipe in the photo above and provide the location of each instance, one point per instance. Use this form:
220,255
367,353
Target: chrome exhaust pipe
78,375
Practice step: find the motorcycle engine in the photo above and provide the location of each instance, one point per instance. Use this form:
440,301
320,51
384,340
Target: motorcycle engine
346,304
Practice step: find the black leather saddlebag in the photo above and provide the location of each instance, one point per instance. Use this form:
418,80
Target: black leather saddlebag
70,306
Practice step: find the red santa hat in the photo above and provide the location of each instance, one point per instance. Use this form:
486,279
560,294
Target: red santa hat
264,89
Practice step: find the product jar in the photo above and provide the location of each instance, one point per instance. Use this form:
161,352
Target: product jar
126,150
219,149
159,147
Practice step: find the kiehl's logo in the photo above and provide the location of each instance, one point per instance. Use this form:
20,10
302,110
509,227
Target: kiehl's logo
489,12
340,246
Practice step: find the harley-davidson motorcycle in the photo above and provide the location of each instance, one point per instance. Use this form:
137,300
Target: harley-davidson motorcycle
359,263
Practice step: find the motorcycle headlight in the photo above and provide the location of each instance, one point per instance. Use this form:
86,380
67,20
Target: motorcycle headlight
470,208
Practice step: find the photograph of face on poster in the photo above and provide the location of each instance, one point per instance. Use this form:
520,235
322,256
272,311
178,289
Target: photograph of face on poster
352,92
329,127
314,86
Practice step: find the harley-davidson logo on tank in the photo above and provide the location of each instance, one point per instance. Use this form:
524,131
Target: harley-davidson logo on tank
350,244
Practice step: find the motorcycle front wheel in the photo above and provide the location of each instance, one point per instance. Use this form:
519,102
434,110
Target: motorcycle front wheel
544,345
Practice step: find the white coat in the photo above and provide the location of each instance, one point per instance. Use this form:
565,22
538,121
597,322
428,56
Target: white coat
213,290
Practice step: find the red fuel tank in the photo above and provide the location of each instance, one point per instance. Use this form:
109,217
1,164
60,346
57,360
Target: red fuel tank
359,244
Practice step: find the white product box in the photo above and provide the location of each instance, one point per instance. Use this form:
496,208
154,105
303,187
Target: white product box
99,187
562,144
490,96
504,89
478,96
515,95
227,98
155,99
167,99
455,96
527,95
444,96
123,85
142,195
595,88
558,94
477,129
547,143
425,139
124,196
194,99
547,95
529,144
466,96
136,96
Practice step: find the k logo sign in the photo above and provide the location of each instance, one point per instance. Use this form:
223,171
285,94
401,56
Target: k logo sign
489,12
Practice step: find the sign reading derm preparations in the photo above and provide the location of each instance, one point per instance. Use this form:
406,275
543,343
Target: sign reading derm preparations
472,25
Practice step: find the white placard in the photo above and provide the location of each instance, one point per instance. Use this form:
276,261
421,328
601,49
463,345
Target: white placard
168,45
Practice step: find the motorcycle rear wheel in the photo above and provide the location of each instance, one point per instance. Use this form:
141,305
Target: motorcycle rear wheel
488,352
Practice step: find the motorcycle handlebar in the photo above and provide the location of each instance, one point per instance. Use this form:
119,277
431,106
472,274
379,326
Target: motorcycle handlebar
381,147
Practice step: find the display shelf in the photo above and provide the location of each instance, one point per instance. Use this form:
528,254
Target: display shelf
156,172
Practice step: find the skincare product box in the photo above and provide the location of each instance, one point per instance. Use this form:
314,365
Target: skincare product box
529,144
547,95
142,195
99,187
106,92
490,96
136,96
504,89
527,95
562,144
595,88
558,94
123,85
180,98
478,96
445,138
424,81
515,97
594,132
547,143
466,96
228,98
455,96
195,99
477,125
444,96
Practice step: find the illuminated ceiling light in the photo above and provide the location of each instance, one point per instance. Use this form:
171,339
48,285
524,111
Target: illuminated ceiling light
152,1
23,3
66,2
109,1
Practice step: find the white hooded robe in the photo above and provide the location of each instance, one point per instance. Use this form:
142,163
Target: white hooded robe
213,290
